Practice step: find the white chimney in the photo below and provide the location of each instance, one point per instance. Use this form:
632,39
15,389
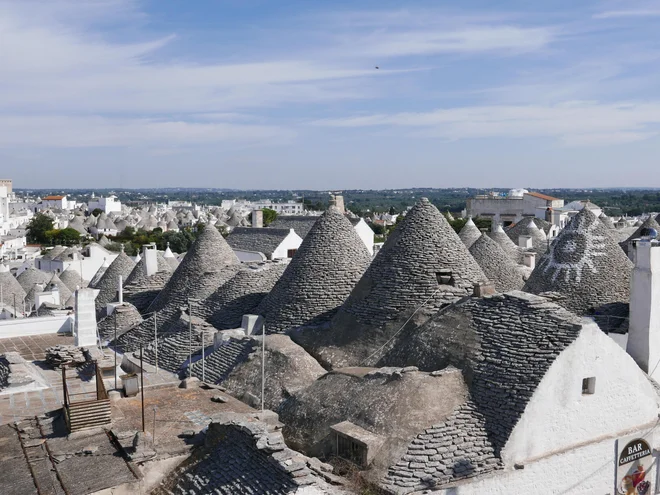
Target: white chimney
120,290
644,327
85,323
530,259
150,254
525,242
257,219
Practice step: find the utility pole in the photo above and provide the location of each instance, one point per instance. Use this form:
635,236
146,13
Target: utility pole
203,366
156,342
115,349
142,387
263,365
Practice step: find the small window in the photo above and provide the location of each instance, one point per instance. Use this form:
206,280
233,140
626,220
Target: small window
589,385
445,277
290,253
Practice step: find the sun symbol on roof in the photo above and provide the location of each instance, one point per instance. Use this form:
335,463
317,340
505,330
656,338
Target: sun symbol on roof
575,249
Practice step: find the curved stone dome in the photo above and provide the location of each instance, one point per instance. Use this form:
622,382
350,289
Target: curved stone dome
496,265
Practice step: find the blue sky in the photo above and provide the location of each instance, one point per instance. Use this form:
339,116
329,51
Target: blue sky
275,94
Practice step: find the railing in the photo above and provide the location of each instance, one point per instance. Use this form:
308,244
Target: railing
86,413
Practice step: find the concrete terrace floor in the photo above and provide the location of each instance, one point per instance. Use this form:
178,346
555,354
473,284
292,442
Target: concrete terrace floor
80,381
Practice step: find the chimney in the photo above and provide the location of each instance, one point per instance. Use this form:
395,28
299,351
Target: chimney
150,254
483,289
525,242
529,259
257,219
120,290
85,314
644,326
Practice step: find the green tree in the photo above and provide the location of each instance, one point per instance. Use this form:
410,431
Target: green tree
68,236
97,211
269,216
37,228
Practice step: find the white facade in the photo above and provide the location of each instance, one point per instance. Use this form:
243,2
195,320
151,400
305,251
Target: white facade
566,439
57,202
107,205
512,208
89,265
286,208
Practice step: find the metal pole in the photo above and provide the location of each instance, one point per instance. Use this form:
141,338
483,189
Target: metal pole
263,364
189,338
142,387
153,436
156,340
203,366
115,349
14,305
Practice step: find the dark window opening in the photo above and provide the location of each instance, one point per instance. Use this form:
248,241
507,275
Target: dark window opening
351,450
445,277
589,385
290,253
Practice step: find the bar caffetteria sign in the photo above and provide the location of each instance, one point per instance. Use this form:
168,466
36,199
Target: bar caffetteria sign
634,460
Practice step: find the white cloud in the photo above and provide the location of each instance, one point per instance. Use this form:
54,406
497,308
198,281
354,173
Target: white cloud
613,14
79,132
573,123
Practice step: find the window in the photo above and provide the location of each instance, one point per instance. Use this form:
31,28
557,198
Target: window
350,450
445,277
290,253
589,385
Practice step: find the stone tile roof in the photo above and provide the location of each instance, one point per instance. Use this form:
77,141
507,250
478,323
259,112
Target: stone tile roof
246,457
299,223
28,278
72,279
11,288
469,233
320,276
649,223
396,404
496,265
53,253
93,284
222,361
505,344
584,265
174,347
262,240
141,290
289,370
527,226
200,273
127,316
122,266
607,221
241,295
423,262
65,292
506,244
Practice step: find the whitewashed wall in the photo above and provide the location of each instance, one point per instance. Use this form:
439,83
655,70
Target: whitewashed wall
42,325
291,241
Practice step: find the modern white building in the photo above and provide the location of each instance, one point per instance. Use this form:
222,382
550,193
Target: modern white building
285,208
55,202
512,207
107,205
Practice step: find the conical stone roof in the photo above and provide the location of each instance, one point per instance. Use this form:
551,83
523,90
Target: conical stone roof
498,267
10,287
32,276
422,264
528,227
201,272
72,279
649,223
320,276
505,243
241,295
469,233
607,221
108,285
140,289
65,292
93,284
584,265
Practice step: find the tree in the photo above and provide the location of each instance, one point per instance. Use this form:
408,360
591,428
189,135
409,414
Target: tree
97,211
269,216
37,228
68,236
